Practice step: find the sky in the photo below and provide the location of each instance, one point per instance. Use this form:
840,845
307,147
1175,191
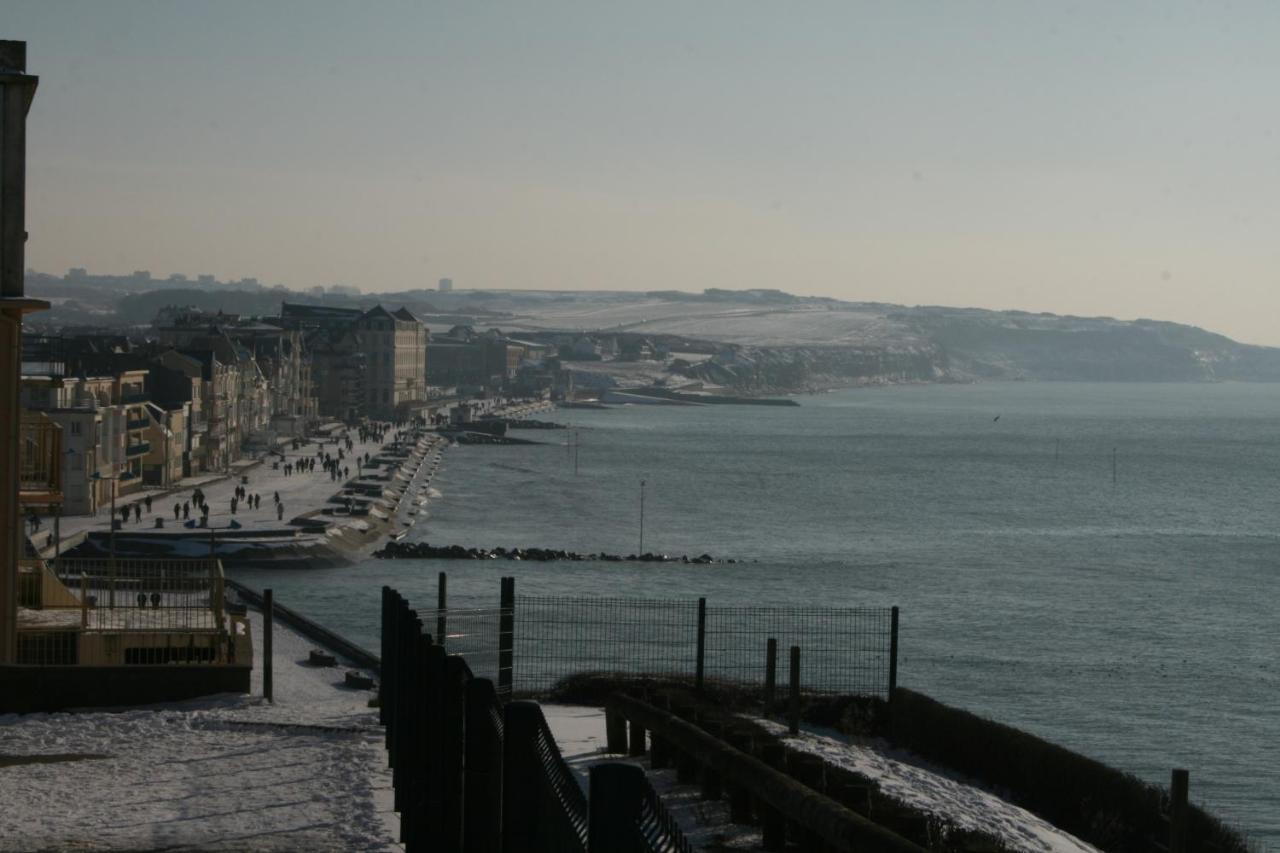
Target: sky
1117,159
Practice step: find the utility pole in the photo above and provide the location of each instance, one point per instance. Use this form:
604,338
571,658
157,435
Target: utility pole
641,518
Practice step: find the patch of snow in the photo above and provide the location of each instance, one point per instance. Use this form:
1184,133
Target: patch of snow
226,773
932,791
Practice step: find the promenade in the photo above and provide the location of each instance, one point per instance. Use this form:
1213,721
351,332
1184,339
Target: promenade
300,493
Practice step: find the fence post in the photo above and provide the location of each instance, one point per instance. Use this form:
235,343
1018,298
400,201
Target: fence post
268,616
617,791
1178,791
793,709
451,741
615,732
770,672
520,810
433,742
506,636
415,688
384,658
893,652
637,739
702,645
482,783
442,605
399,624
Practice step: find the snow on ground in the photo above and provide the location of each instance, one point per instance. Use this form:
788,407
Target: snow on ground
931,790
299,492
223,773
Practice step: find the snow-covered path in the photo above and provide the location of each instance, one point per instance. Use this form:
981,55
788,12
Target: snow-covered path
226,773
936,792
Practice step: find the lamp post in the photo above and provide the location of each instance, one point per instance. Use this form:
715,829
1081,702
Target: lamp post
111,559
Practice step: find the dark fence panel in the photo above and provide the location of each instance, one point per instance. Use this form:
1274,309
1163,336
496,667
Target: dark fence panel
473,775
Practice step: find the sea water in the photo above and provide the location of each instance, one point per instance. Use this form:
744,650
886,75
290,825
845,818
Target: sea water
1098,564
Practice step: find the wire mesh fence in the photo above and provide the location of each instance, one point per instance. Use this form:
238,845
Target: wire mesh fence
559,636
470,634
845,650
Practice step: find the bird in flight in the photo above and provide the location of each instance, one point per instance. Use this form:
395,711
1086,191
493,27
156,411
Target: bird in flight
996,418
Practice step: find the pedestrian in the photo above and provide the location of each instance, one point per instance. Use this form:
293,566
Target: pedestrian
276,497
176,510
147,501
186,510
257,501
233,505
346,472
137,512
204,511
280,512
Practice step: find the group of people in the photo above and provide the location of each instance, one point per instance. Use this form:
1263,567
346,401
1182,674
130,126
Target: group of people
184,508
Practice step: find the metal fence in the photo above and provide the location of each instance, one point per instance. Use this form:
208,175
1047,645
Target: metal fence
530,642
143,594
469,773
470,634
845,650
559,636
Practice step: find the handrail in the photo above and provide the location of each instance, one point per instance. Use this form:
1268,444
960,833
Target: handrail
559,779
834,823
657,827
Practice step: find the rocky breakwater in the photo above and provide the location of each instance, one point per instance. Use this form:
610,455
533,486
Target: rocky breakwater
427,551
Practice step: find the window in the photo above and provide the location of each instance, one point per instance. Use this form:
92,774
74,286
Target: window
75,427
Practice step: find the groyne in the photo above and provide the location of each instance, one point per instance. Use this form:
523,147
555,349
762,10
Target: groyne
426,551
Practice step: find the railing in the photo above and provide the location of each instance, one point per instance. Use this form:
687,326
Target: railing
43,355
125,611
138,423
144,595
783,805
39,459
471,774
135,397
848,651
137,449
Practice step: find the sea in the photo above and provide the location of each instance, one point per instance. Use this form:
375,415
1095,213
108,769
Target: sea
1098,564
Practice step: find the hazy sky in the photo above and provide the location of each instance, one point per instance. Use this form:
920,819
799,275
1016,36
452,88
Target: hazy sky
1108,158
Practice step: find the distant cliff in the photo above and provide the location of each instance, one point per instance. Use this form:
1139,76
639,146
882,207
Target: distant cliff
961,345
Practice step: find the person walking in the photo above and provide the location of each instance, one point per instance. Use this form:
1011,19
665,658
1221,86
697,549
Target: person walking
186,510
276,497
147,501
137,512
234,501
176,510
280,512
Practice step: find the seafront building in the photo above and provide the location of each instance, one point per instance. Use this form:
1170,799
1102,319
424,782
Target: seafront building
88,632
364,363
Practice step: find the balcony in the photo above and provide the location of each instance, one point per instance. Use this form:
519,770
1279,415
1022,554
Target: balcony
138,423
43,355
39,460
134,398
140,449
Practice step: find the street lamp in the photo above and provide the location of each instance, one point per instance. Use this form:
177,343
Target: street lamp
111,560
